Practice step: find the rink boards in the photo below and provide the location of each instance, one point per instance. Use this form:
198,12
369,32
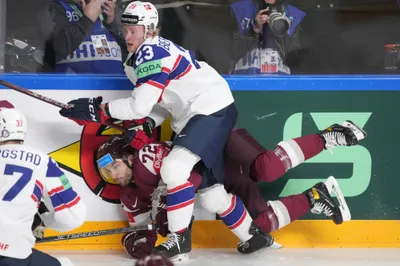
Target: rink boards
272,109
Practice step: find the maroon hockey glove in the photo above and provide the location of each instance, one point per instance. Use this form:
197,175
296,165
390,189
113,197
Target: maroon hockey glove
139,244
139,132
154,260
161,217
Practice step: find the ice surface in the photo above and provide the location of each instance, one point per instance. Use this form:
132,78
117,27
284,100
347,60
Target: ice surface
230,257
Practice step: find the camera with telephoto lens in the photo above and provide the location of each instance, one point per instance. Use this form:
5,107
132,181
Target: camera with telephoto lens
278,22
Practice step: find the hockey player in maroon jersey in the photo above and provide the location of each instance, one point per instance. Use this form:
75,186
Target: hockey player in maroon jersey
246,162
138,173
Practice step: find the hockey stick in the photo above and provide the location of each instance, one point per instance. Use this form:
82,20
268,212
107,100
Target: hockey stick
96,233
48,100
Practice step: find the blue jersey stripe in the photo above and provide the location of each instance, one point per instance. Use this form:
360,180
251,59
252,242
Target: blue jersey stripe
53,170
37,192
180,68
63,197
160,78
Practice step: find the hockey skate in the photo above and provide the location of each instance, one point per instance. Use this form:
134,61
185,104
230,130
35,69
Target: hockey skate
178,245
347,134
258,241
321,201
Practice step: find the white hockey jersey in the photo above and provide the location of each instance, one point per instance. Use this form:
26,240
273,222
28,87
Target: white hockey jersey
26,177
166,75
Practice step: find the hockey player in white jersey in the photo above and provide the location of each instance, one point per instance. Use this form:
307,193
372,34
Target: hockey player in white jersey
28,176
169,80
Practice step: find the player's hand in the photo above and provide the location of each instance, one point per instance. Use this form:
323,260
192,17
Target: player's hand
109,10
139,244
38,227
161,217
38,233
84,111
260,19
92,9
139,133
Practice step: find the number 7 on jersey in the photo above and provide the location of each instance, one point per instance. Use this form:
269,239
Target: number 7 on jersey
26,175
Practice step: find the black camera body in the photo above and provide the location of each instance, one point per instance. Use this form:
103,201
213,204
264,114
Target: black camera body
278,22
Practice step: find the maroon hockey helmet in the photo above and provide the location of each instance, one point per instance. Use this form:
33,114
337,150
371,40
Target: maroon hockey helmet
115,148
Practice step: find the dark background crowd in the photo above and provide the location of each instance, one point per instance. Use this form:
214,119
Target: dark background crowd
322,36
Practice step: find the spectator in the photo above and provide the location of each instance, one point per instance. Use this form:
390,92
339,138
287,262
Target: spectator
277,45
81,36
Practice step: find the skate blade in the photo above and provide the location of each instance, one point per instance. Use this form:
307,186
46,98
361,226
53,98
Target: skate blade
180,258
358,131
275,245
333,186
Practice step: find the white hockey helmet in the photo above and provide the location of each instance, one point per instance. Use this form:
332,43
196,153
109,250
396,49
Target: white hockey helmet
141,13
13,124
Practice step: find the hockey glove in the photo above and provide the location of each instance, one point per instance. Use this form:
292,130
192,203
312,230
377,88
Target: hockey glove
161,217
153,260
38,226
84,111
139,244
139,132
38,233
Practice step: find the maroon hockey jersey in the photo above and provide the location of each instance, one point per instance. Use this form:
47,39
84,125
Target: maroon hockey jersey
138,197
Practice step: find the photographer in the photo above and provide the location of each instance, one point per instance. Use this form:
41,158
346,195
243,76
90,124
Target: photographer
277,45
81,36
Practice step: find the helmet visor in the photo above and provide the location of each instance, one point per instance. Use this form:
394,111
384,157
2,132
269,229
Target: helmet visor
109,167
